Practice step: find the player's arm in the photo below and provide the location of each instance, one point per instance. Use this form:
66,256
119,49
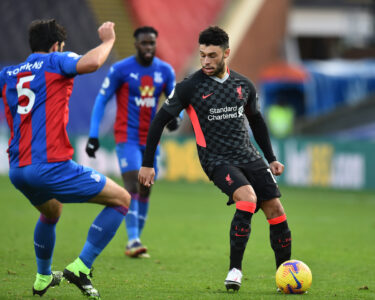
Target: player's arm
147,172
260,131
169,87
96,57
110,84
170,109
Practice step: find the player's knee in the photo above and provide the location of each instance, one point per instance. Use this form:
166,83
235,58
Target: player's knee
130,180
124,198
51,210
245,193
273,208
144,191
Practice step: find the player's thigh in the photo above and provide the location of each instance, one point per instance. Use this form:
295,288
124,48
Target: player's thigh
70,182
129,156
66,181
229,179
262,180
112,195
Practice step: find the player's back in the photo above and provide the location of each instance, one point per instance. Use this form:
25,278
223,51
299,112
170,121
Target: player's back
36,94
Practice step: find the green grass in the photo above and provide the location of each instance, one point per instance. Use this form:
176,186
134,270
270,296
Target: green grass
187,235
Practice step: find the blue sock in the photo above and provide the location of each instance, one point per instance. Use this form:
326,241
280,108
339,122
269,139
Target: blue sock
101,233
142,212
131,219
44,243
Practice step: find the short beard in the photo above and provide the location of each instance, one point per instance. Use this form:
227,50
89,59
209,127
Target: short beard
220,68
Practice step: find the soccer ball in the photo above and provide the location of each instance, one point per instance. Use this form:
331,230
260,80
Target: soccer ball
293,277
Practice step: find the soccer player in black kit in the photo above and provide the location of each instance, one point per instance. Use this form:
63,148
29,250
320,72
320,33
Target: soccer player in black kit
218,102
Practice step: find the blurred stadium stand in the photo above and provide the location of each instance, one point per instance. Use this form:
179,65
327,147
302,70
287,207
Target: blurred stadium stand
178,23
15,17
118,12
317,55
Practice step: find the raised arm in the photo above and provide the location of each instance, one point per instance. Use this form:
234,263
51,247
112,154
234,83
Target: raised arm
96,57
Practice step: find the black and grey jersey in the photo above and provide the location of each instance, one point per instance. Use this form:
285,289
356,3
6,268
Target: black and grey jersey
217,109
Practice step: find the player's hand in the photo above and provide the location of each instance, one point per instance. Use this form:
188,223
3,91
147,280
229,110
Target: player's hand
107,32
174,124
146,176
277,168
91,146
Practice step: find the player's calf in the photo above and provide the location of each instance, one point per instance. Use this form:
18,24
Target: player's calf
281,239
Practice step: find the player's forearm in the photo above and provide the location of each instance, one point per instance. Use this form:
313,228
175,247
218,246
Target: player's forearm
261,135
95,58
154,134
97,115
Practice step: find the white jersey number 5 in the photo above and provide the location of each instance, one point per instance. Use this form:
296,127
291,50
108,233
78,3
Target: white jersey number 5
22,91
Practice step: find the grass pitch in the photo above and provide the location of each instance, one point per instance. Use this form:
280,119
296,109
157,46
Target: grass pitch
187,235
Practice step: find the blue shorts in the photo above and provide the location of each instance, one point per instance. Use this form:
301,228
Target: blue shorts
65,181
130,156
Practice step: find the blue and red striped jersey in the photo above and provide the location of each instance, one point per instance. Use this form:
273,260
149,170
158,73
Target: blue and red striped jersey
137,90
36,95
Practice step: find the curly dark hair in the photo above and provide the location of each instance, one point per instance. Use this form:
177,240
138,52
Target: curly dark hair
214,35
145,29
44,33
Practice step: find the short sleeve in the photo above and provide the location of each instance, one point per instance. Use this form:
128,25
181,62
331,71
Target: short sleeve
67,62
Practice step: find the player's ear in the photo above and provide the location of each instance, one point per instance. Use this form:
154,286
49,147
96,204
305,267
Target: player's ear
226,52
54,47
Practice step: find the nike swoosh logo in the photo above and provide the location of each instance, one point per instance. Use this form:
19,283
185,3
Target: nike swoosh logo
283,246
236,234
299,285
206,96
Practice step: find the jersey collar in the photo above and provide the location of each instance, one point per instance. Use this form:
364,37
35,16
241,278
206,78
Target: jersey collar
220,80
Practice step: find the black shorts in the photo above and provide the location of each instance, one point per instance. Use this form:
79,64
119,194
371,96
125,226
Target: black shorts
229,178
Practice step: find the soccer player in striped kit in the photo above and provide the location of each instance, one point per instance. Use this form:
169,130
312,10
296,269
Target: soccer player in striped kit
36,95
219,102
137,81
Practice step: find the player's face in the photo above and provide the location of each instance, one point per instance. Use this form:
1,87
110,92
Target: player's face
146,47
213,60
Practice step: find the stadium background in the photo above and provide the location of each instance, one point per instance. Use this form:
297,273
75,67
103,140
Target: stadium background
316,57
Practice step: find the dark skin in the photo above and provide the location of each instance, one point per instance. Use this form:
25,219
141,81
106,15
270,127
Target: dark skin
145,44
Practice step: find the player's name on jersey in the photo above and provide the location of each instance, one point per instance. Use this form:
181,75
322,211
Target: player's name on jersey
26,67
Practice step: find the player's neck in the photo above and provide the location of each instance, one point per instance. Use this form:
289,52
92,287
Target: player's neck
142,62
223,73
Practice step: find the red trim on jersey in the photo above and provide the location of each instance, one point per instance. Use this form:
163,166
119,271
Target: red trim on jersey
26,130
246,206
8,115
228,70
199,136
121,123
148,90
277,220
58,91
